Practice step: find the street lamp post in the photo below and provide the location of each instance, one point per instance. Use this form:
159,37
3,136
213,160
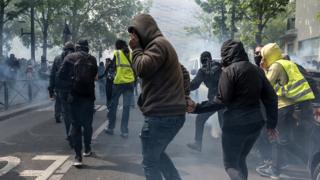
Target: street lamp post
33,39
31,34
66,32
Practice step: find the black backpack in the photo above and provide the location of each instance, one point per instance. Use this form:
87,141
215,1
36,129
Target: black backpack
84,75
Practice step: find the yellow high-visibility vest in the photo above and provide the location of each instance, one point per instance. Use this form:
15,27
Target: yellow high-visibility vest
297,88
124,72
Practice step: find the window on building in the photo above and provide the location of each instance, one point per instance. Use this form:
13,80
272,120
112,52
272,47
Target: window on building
291,23
290,49
310,47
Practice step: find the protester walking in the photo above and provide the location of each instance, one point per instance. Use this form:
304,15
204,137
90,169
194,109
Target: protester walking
81,67
163,98
208,74
241,87
58,89
123,84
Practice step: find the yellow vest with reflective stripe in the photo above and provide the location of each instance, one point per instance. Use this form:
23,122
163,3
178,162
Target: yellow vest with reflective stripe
297,88
124,71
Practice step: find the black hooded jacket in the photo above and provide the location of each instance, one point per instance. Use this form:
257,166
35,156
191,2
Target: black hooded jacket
209,76
56,83
242,86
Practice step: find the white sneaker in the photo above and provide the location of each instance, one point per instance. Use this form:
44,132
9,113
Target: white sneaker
87,154
77,162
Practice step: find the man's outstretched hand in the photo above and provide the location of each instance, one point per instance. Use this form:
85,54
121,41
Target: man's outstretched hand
273,133
191,106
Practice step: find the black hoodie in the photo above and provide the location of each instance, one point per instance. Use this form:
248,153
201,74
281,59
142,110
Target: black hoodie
242,86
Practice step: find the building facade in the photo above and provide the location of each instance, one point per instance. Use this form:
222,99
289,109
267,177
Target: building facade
302,39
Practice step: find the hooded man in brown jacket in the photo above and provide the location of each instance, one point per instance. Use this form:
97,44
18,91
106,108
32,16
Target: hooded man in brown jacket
163,96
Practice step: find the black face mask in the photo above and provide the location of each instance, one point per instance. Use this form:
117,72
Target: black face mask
257,59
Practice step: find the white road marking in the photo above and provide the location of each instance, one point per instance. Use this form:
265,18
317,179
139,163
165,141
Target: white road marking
64,168
99,131
12,163
31,173
56,177
45,174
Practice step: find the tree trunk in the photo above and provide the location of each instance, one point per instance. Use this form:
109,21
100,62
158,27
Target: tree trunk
33,39
74,22
233,19
2,6
224,35
259,35
260,27
45,35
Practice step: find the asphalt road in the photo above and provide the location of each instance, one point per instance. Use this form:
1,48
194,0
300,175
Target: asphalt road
33,146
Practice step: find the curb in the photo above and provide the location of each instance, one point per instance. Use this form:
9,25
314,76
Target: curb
12,113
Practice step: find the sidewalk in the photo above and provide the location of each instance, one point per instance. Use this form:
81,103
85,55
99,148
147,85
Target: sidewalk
20,109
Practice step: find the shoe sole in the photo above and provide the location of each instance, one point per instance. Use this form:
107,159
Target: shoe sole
87,155
266,175
77,165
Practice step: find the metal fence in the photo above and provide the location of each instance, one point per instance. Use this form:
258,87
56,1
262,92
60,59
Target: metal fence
18,92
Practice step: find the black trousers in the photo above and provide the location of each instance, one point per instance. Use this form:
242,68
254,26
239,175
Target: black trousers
201,120
236,146
82,113
58,107
66,111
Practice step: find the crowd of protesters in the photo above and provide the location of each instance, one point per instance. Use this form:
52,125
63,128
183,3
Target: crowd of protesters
255,101
13,68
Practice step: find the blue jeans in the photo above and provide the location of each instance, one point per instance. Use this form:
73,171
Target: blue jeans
82,113
127,94
156,134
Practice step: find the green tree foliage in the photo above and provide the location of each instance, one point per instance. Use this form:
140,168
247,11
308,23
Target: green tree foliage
260,12
246,19
100,21
204,30
274,29
225,15
5,17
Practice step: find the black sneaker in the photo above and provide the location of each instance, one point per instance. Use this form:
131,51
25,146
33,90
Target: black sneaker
109,131
195,146
268,172
77,162
58,120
